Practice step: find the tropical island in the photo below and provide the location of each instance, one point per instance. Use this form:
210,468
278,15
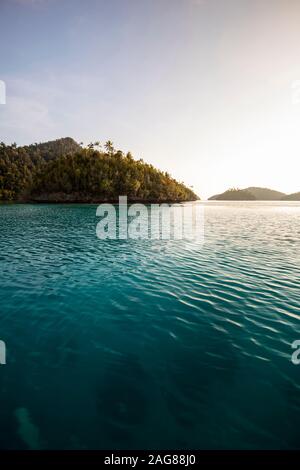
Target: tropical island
65,171
254,194
292,197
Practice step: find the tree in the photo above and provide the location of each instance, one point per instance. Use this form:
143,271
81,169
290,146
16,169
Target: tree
109,147
66,171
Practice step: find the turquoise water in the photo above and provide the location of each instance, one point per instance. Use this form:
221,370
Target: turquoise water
150,344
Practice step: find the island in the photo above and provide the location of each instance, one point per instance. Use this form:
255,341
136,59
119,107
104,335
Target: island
233,195
64,171
292,197
254,193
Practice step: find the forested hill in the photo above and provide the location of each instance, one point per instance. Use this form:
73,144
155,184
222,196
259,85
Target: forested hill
249,194
292,197
53,149
64,171
234,195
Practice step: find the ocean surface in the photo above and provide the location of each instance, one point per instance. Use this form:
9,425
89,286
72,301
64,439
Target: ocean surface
128,344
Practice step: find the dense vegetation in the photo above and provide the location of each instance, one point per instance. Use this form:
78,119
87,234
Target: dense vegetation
64,171
254,194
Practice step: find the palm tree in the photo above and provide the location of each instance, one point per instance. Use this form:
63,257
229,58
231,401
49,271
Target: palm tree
109,147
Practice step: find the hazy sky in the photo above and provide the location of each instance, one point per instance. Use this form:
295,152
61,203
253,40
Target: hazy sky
200,88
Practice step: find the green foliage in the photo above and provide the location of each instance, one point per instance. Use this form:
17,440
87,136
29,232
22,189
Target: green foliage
63,171
18,165
16,168
51,150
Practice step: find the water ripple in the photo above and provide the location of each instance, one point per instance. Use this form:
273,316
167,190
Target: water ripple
151,344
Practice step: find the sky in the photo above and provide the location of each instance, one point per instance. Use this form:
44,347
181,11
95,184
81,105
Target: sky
208,90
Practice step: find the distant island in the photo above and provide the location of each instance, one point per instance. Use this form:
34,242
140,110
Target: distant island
254,194
292,197
65,171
